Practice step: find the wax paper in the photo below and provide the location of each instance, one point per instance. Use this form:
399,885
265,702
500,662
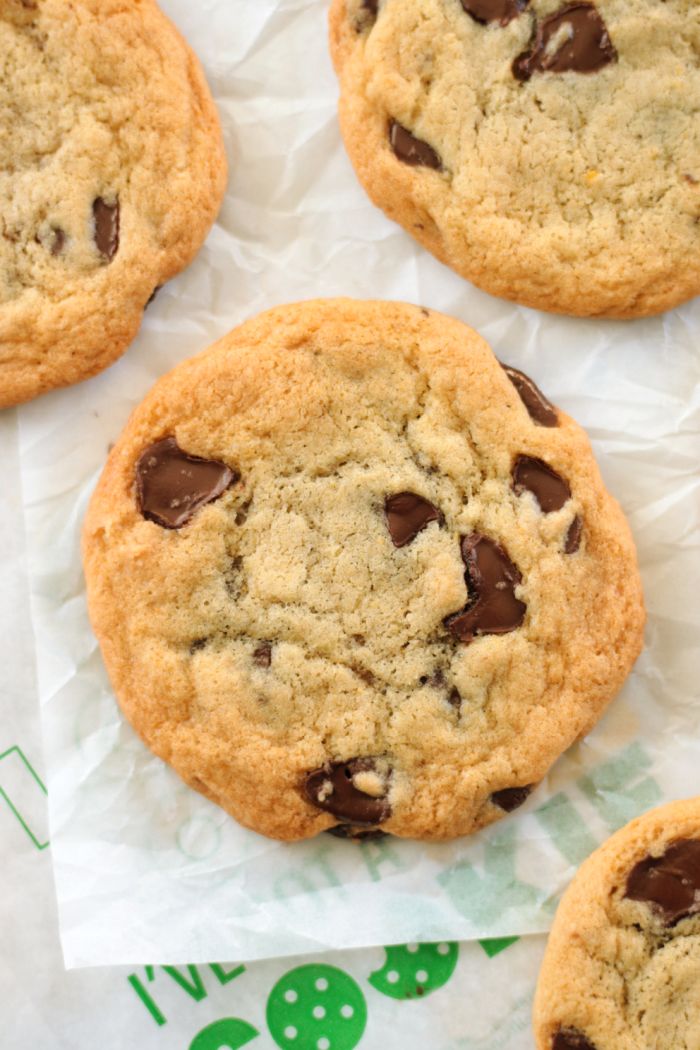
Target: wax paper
147,870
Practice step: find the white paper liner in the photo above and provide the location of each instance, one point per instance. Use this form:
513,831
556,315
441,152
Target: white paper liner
146,869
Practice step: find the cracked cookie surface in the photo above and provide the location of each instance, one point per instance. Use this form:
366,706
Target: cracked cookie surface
547,151
112,170
327,592
622,967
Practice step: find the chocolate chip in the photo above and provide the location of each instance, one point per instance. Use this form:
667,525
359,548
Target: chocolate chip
172,485
406,515
366,15
57,241
534,475
540,409
501,11
198,644
670,884
491,579
436,680
509,799
347,831
332,788
411,150
575,39
262,656
106,231
571,1039
54,241
573,536
242,512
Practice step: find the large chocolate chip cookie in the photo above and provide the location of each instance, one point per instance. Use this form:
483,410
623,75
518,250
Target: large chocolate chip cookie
348,570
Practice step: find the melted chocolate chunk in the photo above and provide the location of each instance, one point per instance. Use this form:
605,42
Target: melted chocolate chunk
172,485
406,515
454,699
571,1039
332,788
411,150
534,475
509,799
491,580
539,408
347,831
262,656
575,39
501,11
670,884
106,232
573,536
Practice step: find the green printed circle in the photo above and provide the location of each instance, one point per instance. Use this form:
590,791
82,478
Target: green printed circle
316,1007
412,971
227,1034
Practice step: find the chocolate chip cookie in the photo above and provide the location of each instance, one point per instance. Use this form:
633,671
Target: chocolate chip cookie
112,170
622,968
546,150
347,570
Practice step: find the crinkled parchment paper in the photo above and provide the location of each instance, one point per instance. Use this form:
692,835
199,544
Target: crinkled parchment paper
148,870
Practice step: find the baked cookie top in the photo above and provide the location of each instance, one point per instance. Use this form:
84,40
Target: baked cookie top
346,569
112,170
622,967
547,151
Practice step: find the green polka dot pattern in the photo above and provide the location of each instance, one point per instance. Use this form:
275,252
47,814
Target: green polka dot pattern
316,1007
227,1034
415,970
